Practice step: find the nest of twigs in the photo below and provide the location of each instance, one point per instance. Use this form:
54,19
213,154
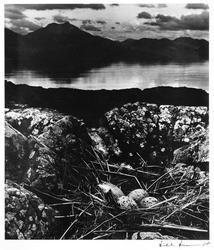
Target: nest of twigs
85,212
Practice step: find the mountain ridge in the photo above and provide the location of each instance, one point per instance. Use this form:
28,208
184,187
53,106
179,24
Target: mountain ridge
67,46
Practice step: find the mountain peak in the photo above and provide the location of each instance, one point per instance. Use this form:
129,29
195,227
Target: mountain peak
56,30
64,27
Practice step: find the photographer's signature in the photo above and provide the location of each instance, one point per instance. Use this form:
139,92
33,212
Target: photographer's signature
183,244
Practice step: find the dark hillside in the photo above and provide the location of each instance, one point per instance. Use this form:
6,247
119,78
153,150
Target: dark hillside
91,105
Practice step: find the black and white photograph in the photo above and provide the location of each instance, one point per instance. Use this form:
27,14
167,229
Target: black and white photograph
106,121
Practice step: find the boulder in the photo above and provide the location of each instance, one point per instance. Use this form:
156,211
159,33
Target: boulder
42,172
16,154
31,121
67,135
104,142
177,124
181,122
26,215
154,131
196,151
45,160
135,126
98,143
29,161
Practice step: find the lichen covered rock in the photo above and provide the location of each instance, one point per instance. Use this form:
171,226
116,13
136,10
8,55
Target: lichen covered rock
135,127
196,151
44,160
42,172
104,142
26,216
29,161
16,154
154,131
98,143
181,122
68,136
31,121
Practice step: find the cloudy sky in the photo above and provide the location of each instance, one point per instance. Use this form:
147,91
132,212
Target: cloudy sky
115,21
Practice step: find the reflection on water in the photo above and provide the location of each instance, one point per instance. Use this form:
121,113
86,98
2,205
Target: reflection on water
120,76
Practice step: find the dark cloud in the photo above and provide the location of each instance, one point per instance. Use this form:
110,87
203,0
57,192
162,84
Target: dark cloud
144,14
40,18
197,6
112,28
17,21
13,13
23,26
196,22
164,19
162,5
122,35
147,5
188,22
89,27
101,22
117,22
151,23
59,6
86,21
62,19
114,4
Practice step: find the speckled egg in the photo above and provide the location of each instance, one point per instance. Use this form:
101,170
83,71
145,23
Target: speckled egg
127,203
148,202
107,186
138,194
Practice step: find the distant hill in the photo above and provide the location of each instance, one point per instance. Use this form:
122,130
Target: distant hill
92,104
182,49
61,46
64,46
12,41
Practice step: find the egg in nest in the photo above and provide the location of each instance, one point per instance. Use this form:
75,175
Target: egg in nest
127,203
109,187
138,194
148,202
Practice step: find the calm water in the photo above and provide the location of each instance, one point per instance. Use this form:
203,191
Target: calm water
120,76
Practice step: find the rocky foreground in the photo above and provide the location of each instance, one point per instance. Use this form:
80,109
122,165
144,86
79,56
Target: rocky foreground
54,165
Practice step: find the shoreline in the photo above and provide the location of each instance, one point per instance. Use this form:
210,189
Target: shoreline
90,105
102,89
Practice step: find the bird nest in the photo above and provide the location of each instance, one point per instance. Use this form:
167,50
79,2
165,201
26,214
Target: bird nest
84,211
